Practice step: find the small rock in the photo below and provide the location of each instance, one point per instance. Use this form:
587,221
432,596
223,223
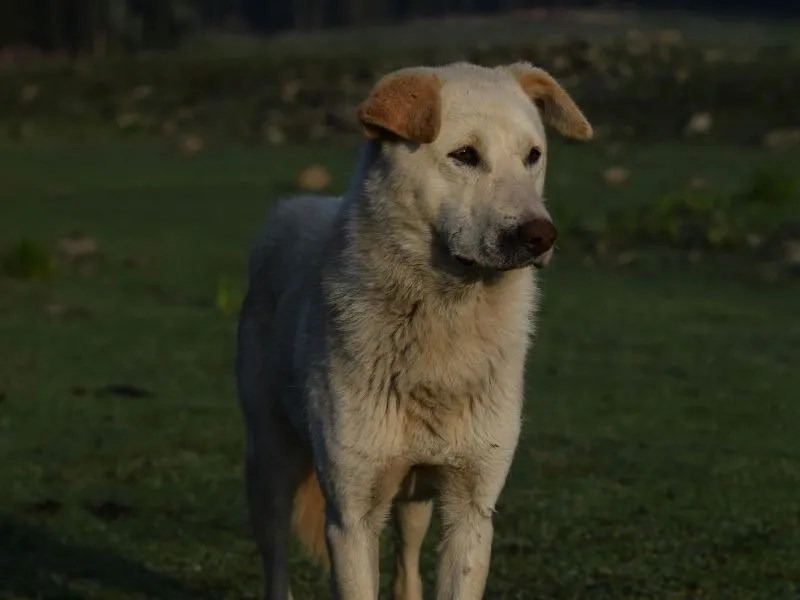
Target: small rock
141,92
713,56
698,183
55,310
318,132
625,70
169,128
779,139
791,252
682,75
29,93
753,240
290,90
561,63
635,34
77,246
616,175
274,135
700,123
58,311
669,37
314,178
192,144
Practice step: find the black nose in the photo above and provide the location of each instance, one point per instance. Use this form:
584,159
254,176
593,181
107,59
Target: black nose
537,235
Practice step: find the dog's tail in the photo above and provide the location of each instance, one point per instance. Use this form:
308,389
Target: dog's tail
309,519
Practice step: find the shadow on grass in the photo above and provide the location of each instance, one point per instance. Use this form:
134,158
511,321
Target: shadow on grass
36,564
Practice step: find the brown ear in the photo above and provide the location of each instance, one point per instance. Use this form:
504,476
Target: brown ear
557,107
405,103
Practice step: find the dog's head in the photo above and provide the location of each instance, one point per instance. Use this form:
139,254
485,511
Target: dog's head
464,153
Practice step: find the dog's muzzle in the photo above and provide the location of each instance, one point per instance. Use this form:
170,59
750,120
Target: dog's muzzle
529,243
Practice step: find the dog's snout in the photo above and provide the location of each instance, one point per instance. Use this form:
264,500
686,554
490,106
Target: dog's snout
538,235
530,242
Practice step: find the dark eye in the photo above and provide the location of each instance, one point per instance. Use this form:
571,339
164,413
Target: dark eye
533,157
466,156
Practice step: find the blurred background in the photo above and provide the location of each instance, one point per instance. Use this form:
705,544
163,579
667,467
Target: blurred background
141,142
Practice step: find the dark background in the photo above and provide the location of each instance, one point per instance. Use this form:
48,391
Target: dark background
81,25
141,142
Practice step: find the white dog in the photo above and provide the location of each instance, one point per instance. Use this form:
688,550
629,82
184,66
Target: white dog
383,339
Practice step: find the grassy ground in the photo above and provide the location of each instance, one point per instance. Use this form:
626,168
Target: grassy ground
660,453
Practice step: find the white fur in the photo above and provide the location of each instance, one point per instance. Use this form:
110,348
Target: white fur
399,369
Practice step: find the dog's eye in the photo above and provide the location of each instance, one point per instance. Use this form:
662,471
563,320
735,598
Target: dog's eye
533,157
466,156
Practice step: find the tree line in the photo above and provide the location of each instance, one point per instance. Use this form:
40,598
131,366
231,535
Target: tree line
99,26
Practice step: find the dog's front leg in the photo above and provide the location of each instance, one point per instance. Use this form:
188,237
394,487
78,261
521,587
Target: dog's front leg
353,547
357,506
467,504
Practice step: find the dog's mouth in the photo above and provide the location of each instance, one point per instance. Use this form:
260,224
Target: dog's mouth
465,262
540,262
472,265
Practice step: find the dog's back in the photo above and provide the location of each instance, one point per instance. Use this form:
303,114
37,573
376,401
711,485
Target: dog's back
286,253
296,230
290,245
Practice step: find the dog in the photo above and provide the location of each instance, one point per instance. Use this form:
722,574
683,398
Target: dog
383,336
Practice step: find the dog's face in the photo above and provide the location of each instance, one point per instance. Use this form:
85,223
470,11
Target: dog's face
467,152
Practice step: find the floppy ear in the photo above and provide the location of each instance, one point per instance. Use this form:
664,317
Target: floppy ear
557,107
405,103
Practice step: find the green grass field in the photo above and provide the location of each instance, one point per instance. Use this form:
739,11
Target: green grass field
660,456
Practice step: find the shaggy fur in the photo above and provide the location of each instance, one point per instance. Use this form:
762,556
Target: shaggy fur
383,337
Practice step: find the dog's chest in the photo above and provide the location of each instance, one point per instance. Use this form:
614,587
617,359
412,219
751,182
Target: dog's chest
439,384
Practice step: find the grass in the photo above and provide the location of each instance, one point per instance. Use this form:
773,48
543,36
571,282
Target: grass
660,452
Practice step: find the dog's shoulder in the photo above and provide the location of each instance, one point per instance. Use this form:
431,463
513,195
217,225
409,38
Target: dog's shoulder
293,217
295,228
